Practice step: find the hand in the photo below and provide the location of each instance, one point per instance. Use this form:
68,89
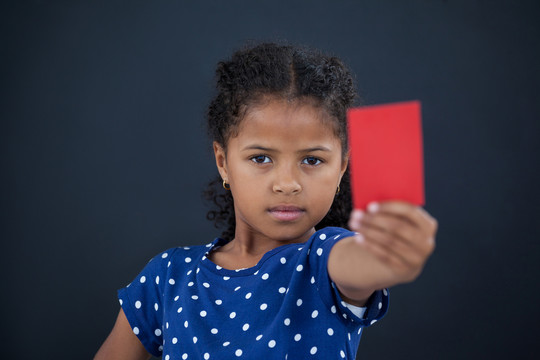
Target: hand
400,235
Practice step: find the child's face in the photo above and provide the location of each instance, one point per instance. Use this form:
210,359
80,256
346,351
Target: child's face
283,167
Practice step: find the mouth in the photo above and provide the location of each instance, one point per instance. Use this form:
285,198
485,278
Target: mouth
286,212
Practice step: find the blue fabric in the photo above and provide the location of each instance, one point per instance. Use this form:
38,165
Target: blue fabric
183,306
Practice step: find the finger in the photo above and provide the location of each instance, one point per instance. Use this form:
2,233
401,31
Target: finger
355,219
397,226
415,214
388,246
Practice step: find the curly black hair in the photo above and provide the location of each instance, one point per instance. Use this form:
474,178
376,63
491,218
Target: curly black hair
285,72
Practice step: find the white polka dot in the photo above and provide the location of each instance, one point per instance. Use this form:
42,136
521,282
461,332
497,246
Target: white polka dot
322,236
167,357
313,350
287,322
300,248
176,298
157,280
314,314
185,356
265,276
313,279
136,330
138,304
186,324
189,272
160,348
283,260
164,255
380,305
121,302
168,264
263,306
179,310
226,278
373,322
226,343
206,356
256,272
232,315
248,295
143,279
190,284
297,337
330,331
333,309
349,336
298,302
237,288
342,354
271,343
319,251
156,306
359,331
299,267
188,259
344,316
194,297
258,337
203,258
167,325
186,247
174,340
206,285
203,313
245,327
218,267
238,353
214,331
157,332
195,339
219,302
282,290
385,292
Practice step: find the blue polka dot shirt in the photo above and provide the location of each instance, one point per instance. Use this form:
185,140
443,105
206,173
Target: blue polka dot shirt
183,306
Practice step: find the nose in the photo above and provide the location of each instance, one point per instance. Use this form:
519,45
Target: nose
286,181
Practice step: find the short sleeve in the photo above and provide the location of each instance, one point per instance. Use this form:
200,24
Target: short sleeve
141,302
377,304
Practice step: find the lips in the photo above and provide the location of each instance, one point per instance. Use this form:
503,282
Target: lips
286,212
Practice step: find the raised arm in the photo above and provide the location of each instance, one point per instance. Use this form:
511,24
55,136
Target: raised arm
393,243
122,343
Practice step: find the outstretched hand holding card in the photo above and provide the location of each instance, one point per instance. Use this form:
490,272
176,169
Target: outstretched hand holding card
386,159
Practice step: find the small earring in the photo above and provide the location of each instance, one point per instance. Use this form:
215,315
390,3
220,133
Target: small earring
225,185
337,192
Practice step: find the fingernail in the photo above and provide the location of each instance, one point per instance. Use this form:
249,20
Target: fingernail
359,214
373,207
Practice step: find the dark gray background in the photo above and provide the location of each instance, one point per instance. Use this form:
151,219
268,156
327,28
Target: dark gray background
104,156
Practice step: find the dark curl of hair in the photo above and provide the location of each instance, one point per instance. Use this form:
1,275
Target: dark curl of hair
283,72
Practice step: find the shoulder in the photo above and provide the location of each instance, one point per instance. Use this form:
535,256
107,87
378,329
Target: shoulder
330,235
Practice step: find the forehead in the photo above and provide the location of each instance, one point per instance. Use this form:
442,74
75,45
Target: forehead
286,122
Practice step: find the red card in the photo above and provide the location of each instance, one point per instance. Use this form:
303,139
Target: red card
386,158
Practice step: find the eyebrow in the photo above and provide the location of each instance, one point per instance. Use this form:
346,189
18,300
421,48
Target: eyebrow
262,148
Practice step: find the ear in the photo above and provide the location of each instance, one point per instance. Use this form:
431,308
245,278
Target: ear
221,160
344,164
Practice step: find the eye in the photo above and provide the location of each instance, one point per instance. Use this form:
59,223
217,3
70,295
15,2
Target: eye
311,160
261,159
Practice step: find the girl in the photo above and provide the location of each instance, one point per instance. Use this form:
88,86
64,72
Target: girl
279,284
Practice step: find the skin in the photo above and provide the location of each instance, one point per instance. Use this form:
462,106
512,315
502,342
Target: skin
283,167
